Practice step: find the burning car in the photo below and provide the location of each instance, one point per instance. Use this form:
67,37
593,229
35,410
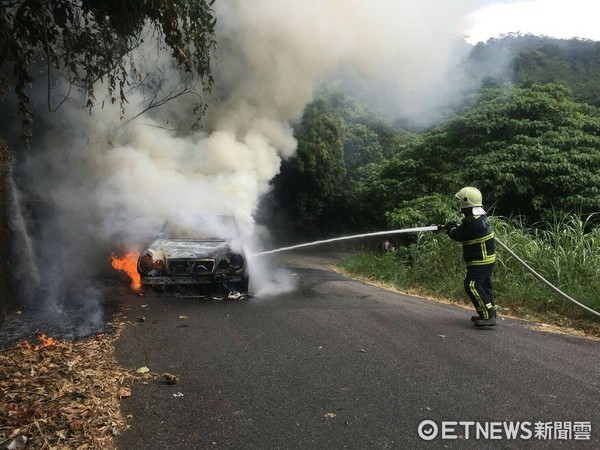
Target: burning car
207,267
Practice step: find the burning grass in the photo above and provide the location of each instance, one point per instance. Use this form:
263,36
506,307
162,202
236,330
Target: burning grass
62,395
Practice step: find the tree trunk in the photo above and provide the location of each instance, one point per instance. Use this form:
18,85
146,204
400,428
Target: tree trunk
6,303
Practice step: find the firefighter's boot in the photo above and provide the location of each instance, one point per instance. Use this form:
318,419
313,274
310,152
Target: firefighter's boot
478,316
490,321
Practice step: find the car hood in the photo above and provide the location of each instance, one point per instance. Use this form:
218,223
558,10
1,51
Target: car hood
188,248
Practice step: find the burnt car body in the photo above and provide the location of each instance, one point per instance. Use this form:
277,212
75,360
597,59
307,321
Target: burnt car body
207,267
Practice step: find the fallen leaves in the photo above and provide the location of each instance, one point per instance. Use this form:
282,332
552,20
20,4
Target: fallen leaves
62,396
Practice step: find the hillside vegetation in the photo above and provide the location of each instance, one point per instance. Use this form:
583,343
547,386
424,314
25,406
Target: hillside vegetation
528,136
573,63
524,136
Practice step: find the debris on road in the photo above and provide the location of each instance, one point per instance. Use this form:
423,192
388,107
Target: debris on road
236,296
171,379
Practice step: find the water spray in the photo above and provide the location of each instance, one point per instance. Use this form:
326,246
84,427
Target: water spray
345,238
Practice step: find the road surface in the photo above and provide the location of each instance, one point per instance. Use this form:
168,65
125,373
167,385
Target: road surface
337,363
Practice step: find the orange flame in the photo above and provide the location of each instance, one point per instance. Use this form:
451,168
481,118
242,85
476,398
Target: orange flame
44,341
128,264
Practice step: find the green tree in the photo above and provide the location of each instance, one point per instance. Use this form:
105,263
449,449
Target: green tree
361,147
86,41
530,151
343,177
422,211
379,188
528,59
310,182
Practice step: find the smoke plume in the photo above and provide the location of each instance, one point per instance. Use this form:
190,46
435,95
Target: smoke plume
99,182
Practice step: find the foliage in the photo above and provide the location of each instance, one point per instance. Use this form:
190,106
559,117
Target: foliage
361,147
354,113
375,193
531,147
339,140
525,59
530,151
311,181
432,209
565,251
87,41
411,267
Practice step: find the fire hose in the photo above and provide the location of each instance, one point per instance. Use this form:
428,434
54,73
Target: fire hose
435,228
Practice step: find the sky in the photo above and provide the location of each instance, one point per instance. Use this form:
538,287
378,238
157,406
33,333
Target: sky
555,18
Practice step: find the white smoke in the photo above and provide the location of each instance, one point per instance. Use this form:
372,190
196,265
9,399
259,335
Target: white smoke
399,52
113,181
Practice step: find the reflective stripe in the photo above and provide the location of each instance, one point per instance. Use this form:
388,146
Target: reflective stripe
484,310
481,239
488,260
485,258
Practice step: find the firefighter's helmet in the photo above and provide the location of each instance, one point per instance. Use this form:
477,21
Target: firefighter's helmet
469,196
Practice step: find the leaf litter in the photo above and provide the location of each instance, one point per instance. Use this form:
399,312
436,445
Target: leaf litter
62,395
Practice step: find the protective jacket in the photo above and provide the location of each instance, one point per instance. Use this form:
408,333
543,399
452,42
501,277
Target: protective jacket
477,237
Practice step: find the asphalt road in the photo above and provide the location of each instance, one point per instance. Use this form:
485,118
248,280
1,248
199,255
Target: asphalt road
337,363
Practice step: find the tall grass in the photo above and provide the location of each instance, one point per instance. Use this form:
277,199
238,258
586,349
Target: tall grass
565,251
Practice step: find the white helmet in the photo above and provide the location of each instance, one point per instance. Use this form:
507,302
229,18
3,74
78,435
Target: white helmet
469,196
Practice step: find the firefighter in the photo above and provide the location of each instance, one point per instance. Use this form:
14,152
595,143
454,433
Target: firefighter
476,234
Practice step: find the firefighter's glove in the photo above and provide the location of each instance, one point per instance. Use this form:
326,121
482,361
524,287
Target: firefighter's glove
449,225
